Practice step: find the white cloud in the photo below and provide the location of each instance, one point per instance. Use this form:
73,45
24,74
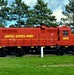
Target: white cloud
58,14
66,2
30,3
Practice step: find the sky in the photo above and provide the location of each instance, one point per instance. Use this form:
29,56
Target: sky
57,6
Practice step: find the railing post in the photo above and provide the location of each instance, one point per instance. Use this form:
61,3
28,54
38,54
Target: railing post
41,52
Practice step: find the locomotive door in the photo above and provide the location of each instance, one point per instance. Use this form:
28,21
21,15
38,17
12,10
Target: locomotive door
64,37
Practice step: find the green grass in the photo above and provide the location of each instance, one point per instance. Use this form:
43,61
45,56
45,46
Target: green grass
34,65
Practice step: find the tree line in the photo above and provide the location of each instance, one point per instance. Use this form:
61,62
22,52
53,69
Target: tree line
40,14
69,14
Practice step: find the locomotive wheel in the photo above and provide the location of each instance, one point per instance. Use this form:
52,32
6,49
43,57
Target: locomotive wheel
2,53
60,52
71,52
19,52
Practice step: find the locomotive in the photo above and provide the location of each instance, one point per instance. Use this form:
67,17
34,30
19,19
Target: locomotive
19,41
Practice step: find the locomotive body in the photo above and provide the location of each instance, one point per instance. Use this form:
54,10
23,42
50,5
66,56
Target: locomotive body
19,41
41,36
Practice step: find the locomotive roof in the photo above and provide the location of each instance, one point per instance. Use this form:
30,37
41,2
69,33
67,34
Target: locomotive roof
64,28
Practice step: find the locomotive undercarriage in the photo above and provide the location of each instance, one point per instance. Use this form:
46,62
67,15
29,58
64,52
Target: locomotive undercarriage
20,51
65,50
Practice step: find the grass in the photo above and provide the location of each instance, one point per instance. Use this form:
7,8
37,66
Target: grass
34,65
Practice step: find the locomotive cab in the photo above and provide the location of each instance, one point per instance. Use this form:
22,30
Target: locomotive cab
64,36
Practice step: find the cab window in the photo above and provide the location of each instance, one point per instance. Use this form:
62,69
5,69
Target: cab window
65,33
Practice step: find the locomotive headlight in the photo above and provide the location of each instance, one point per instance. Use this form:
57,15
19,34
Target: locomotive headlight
51,34
0,47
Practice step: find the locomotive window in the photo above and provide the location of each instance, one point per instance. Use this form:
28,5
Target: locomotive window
65,33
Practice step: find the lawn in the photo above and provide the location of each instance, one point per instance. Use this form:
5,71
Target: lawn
34,65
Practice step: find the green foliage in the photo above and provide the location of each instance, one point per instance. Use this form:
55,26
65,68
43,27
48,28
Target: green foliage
1,25
4,10
20,9
23,15
3,2
41,15
69,13
12,26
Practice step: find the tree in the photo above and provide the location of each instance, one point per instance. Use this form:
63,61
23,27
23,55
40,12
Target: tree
4,10
69,13
41,15
1,25
18,11
30,18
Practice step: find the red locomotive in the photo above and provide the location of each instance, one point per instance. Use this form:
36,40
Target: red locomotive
19,41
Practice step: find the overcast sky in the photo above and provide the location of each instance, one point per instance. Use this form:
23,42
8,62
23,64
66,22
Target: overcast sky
55,5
